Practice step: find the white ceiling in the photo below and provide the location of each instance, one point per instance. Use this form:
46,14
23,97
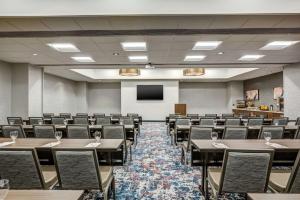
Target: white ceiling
164,51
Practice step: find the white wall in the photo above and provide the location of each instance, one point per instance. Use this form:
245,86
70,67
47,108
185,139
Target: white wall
203,98
291,85
5,91
235,91
35,91
60,95
149,110
20,90
81,93
104,98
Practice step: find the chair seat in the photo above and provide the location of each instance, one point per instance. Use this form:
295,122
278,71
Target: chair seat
128,143
106,173
279,179
49,174
214,176
185,145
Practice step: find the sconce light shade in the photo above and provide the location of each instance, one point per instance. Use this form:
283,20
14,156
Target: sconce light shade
193,72
129,72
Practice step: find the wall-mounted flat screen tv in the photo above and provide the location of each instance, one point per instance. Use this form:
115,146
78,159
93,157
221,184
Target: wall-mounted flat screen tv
150,92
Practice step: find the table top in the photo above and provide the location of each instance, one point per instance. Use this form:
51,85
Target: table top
43,194
277,196
287,144
90,126
219,119
106,144
221,127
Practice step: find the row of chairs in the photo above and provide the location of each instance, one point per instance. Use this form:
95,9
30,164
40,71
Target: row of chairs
61,120
250,171
74,169
232,121
95,115
204,133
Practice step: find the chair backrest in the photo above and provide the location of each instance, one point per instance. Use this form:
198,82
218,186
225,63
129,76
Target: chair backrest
15,120
35,120
6,129
199,133
235,133
78,131
57,120
297,136
182,121
103,120
211,115
21,168
82,114
293,185
246,171
232,121
77,169
80,120
206,121
98,115
276,131
193,116
48,115
66,115
281,121
227,115
298,121
113,132
255,121
127,120
133,115
116,115
44,131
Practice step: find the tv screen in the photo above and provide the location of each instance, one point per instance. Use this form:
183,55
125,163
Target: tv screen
150,92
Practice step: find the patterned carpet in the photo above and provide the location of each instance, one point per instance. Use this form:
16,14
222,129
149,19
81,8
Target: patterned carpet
156,173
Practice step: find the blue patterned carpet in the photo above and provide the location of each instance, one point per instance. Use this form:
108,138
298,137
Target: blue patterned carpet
156,171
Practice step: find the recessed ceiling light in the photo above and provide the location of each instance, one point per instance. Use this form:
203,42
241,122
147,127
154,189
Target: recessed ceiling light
83,59
116,54
35,54
64,47
250,57
278,45
134,46
138,58
206,45
221,53
193,58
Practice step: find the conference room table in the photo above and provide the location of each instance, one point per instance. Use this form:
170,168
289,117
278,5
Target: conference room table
29,129
44,146
270,196
44,194
210,153
253,131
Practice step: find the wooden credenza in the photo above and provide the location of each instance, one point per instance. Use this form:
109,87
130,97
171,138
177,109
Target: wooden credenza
257,113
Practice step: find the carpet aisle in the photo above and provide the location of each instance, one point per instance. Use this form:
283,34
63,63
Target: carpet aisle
156,171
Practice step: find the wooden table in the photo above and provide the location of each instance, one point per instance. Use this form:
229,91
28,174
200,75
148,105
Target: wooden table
208,151
108,146
44,194
277,196
290,130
